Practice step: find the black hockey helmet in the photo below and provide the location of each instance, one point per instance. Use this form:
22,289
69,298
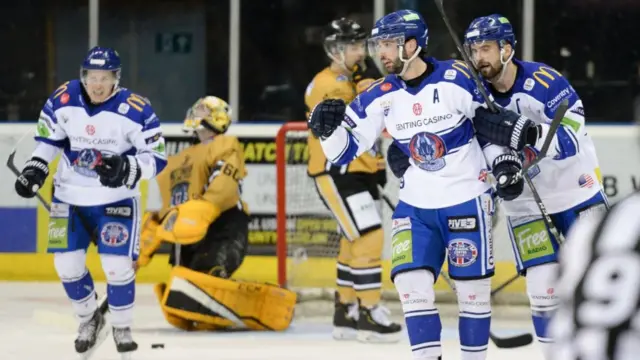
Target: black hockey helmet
343,31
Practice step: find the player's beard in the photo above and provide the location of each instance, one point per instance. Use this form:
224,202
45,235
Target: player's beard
397,64
489,71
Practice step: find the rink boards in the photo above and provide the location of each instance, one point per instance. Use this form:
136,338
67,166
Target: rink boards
24,224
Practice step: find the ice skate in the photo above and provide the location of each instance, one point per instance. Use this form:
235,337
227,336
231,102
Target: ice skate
345,320
374,326
124,342
90,335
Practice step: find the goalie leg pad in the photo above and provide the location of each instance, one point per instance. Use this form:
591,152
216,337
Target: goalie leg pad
344,278
366,267
222,303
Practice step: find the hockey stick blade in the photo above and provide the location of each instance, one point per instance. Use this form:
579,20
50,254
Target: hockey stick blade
511,342
104,305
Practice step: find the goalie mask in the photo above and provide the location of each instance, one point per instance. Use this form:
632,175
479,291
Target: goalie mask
211,113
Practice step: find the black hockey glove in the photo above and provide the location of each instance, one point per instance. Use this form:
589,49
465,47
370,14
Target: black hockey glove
397,160
505,170
326,117
33,175
505,128
116,171
365,70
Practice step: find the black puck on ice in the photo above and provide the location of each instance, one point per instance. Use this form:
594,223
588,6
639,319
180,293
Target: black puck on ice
157,346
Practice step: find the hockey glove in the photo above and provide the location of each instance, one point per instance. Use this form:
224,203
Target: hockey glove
364,74
32,177
116,171
326,117
507,166
397,160
505,128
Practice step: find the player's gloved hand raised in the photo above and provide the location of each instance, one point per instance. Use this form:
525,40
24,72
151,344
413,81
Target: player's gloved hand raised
505,170
397,160
505,128
117,170
326,117
33,175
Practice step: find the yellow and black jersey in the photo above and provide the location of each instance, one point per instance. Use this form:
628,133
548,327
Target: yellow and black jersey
210,171
328,84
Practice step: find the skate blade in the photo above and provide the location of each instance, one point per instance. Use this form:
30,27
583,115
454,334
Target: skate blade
126,355
102,336
372,337
341,333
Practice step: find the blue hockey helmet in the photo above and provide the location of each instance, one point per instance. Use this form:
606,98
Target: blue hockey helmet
399,27
491,28
101,58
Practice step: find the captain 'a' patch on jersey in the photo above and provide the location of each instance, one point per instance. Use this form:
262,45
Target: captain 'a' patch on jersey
431,122
599,287
211,171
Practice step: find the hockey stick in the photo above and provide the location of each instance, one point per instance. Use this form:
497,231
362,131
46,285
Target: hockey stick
103,304
557,119
501,342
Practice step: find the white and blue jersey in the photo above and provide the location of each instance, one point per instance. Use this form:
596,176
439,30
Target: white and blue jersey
125,124
82,207
445,200
432,123
567,179
570,174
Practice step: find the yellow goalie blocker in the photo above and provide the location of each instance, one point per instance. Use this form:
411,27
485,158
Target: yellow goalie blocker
204,216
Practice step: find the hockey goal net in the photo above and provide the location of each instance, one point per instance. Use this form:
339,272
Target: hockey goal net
307,235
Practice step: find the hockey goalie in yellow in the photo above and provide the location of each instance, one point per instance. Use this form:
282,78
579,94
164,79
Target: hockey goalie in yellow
205,219
351,193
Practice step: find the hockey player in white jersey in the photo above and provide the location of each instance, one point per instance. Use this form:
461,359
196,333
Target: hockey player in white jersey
567,181
109,139
427,106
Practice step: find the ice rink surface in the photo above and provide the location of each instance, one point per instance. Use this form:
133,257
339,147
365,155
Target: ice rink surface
36,323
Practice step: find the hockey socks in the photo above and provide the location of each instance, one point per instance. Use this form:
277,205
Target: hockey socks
81,292
121,289
475,317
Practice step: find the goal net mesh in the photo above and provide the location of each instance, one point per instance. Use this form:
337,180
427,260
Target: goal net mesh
309,237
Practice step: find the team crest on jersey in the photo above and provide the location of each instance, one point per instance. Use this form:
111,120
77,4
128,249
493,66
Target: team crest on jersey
529,84
462,252
427,151
86,162
123,108
179,193
114,234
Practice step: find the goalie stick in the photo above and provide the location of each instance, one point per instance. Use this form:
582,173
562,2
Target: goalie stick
557,119
103,304
501,342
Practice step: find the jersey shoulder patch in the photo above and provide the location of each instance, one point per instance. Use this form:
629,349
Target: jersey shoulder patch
133,106
538,74
67,94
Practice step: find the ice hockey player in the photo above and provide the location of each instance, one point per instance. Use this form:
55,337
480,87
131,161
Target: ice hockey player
427,106
206,221
110,139
599,287
567,181
350,192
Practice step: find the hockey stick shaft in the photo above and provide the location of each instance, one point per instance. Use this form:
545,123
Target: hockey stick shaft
103,304
545,215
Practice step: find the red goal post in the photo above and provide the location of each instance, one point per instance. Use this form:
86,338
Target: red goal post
308,237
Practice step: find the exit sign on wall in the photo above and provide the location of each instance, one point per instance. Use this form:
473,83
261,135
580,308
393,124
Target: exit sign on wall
174,43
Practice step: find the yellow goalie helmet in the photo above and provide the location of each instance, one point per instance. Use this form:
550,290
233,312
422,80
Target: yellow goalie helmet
210,113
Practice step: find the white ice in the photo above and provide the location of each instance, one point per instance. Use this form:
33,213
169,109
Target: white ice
36,322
